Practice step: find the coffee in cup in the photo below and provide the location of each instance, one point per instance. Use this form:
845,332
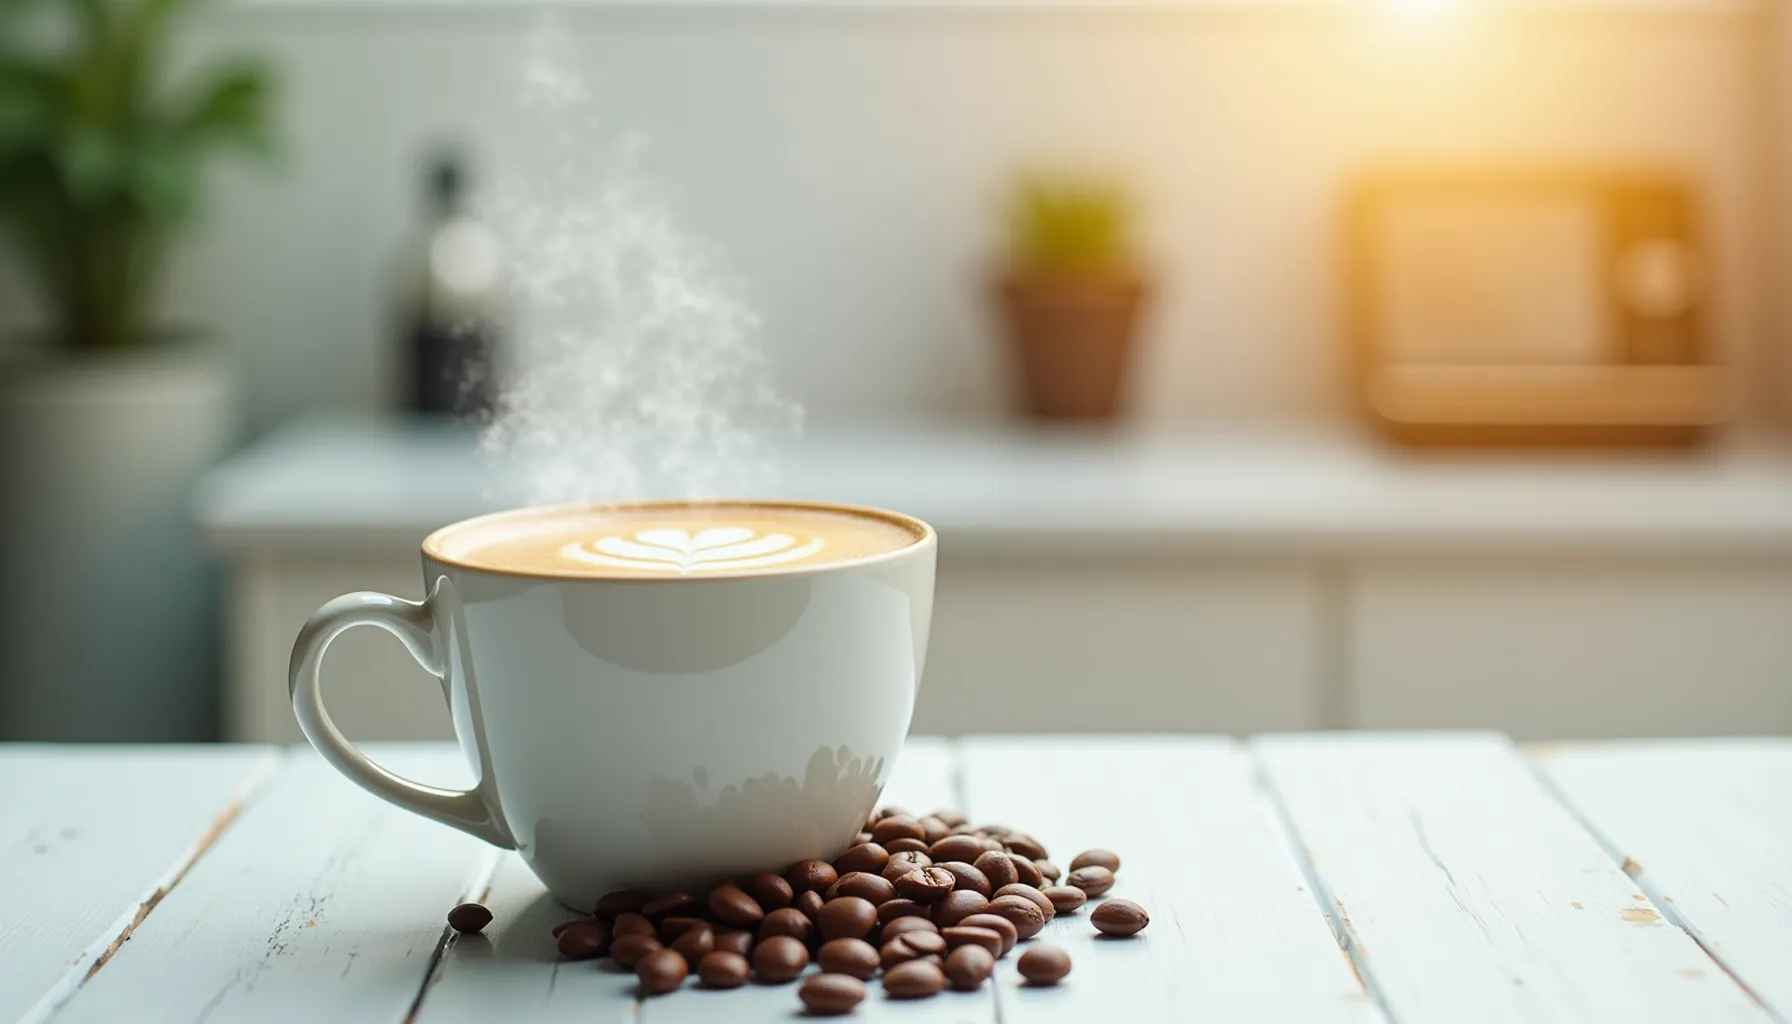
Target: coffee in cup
671,539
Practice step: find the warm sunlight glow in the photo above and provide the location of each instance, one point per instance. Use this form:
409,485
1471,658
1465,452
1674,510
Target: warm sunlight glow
1425,11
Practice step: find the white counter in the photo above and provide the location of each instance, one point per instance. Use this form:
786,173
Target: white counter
342,486
1123,582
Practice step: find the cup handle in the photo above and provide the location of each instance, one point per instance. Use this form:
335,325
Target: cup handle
414,623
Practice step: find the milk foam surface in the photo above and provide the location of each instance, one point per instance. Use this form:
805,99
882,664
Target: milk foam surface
665,541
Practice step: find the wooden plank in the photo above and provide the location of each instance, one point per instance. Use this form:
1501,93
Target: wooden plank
1468,893
1235,934
512,972
93,836
321,903
1705,829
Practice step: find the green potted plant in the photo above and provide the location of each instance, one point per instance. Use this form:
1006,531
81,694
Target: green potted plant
1071,294
108,415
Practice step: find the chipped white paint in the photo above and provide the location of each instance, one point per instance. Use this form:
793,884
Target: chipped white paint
1469,891
1470,894
81,861
1234,935
512,969
1705,828
320,902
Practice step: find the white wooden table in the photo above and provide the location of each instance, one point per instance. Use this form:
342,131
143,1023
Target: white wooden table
1311,878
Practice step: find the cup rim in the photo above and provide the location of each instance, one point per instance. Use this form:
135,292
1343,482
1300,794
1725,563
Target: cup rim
926,538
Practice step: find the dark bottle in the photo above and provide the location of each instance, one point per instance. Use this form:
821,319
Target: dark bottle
452,314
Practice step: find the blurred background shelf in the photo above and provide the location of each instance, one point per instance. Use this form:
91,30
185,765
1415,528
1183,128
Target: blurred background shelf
1251,581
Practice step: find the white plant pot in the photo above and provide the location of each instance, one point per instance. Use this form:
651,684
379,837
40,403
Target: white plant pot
108,607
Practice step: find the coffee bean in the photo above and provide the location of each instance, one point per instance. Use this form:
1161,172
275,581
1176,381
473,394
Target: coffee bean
866,857
905,925
957,906
469,918
730,905
897,951
904,861
631,924
1051,871
661,971
786,921
926,943
988,938
627,950
848,956
1044,965
968,877
1119,917
891,910
1019,889
733,941
950,817
926,885
860,840
865,885
997,867
995,923
562,926
1093,879
889,811
998,831
1023,913
1024,845
1096,858
969,966
811,876
933,829
916,979
1028,873
827,995
962,829
723,968
779,959
770,891
673,927
696,943
847,917
956,848
585,940
809,903
682,904
620,902
906,845
1065,898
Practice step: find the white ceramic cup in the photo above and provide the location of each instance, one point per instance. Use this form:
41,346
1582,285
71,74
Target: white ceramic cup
653,732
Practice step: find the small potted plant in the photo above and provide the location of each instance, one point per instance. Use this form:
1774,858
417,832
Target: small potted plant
107,414
1071,294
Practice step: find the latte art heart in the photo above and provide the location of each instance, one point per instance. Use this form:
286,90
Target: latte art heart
673,541
674,550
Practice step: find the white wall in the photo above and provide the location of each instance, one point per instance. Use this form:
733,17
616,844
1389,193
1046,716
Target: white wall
851,160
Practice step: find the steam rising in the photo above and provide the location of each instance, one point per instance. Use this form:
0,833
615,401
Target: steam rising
634,367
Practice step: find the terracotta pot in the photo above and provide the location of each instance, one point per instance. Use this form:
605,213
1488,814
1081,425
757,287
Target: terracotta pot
1071,337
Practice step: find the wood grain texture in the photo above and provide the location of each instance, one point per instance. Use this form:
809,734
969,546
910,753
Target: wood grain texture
1705,829
1234,935
513,972
1468,893
91,836
320,903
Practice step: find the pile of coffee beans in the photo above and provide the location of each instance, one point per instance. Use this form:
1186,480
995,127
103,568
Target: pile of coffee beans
927,902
